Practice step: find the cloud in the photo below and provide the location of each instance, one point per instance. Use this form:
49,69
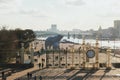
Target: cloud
28,12
110,14
5,1
75,2
5,4
15,7
32,12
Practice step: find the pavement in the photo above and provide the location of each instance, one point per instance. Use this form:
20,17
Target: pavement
77,74
21,73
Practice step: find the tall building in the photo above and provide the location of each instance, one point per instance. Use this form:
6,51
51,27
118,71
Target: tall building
53,28
117,27
99,34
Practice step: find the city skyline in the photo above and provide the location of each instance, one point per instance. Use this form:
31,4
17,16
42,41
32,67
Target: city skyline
67,14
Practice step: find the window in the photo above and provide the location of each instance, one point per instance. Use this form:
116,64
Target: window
56,64
63,64
69,57
76,57
68,64
56,58
49,64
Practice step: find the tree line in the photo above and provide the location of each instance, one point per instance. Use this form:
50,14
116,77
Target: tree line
10,42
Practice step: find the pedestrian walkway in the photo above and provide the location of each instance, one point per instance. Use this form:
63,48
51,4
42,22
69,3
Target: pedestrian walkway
76,74
21,73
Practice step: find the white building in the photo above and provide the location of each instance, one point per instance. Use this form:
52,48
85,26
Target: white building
53,28
117,27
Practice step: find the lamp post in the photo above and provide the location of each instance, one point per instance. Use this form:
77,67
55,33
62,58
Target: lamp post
32,53
53,58
97,55
79,55
66,56
22,53
83,51
108,58
101,40
59,58
114,46
72,57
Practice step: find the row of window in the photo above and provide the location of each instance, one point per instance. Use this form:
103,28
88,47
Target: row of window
56,57
63,64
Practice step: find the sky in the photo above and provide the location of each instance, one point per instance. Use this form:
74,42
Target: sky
67,14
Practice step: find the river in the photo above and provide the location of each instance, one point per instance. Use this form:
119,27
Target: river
103,43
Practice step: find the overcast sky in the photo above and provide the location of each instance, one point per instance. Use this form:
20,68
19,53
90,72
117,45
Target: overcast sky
67,14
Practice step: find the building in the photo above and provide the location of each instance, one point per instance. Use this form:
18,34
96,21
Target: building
117,27
64,60
53,28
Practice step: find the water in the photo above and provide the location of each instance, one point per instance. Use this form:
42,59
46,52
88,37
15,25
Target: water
104,43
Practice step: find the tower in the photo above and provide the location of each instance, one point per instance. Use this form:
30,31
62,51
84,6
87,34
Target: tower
53,28
117,27
99,33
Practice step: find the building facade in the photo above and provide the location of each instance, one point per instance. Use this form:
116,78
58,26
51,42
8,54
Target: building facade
117,27
53,28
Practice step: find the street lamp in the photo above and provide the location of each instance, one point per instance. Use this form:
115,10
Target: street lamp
79,55
65,52
72,57
114,46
